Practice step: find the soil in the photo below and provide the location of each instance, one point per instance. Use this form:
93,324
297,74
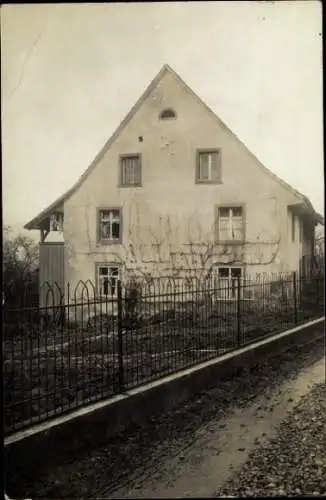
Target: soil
193,449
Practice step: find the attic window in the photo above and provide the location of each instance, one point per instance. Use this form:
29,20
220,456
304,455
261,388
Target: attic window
168,114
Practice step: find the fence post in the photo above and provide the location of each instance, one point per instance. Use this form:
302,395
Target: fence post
120,343
239,311
295,297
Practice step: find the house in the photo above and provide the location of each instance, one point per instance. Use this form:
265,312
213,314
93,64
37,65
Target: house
174,192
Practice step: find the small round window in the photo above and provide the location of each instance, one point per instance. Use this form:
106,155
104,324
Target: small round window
168,114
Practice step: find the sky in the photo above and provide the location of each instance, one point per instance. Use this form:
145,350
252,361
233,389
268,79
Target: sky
71,72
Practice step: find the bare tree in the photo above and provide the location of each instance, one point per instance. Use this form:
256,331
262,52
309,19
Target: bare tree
20,262
319,250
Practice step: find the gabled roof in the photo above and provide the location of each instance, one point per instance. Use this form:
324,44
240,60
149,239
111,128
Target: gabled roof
34,223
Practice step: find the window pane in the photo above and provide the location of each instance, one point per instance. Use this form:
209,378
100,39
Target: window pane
237,211
237,228
203,167
224,212
105,288
223,272
235,272
115,214
215,173
115,230
124,173
105,215
103,271
128,170
225,229
105,230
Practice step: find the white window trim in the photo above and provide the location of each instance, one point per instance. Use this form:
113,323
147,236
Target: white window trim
231,219
110,265
209,153
109,218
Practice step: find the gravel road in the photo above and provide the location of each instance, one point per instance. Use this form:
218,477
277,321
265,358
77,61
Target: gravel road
293,463
206,446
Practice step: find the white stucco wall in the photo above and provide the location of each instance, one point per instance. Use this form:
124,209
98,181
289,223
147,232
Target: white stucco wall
169,192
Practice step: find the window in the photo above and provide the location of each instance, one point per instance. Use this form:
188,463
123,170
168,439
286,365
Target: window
208,168
292,227
56,222
110,225
168,114
107,279
130,170
230,224
228,281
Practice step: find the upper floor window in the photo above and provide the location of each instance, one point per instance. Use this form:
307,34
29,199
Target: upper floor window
130,170
208,168
230,224
106,279
110,225
168,114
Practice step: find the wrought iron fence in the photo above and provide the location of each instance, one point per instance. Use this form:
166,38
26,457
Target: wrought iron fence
81,347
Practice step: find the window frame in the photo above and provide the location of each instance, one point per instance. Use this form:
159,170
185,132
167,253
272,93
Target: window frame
108,241
130,156
98,265
202,151
217,223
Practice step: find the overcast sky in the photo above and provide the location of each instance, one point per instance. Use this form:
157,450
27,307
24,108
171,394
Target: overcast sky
70,73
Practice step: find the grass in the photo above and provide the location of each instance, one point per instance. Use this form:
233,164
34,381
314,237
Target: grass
49,371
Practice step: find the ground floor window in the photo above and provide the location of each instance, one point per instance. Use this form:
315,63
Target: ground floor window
228,280
107,278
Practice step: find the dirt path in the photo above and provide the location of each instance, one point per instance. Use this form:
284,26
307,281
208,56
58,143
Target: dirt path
223,445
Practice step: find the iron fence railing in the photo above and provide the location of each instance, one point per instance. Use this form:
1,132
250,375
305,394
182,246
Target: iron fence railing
84,348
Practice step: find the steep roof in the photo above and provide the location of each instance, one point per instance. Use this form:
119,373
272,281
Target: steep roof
34,223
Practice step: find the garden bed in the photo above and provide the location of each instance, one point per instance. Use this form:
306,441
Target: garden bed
61,369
